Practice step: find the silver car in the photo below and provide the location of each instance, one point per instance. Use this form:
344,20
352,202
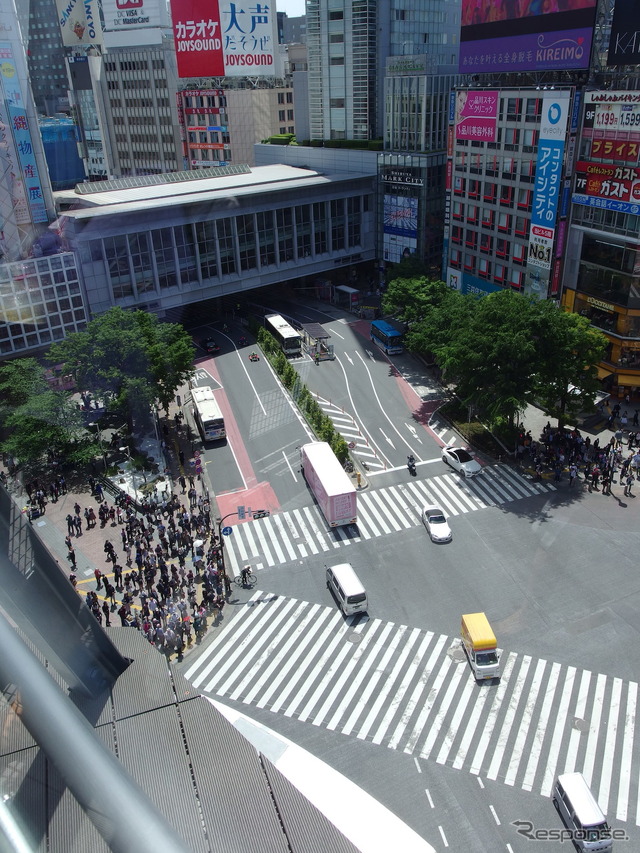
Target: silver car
461,460
436,523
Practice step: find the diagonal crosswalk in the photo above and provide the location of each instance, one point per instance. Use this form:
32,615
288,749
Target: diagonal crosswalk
299,533
412,690
350,431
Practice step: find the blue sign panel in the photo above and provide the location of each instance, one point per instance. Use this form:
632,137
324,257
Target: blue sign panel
606,203
227,531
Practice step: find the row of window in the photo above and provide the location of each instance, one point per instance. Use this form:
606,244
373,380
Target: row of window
488,219
132,65
487,269
281,97
509,196
489,245
190,254
283,117
492,166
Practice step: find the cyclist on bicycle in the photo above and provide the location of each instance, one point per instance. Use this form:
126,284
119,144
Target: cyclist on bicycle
245,574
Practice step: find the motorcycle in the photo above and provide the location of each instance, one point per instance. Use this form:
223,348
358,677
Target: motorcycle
254,357
411,465
242,342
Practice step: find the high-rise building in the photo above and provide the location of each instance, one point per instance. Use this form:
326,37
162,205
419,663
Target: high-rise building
40,26
349,43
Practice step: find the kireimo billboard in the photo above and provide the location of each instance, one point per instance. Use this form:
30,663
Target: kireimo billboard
532,35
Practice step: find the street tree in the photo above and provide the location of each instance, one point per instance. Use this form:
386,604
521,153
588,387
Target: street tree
568,349
129,358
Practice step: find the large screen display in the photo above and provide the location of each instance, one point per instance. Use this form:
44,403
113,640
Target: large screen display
525,35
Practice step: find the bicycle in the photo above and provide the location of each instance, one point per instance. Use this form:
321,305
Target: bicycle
245,579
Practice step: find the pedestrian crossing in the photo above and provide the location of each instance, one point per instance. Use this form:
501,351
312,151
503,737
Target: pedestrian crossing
412,690
350,431
303,532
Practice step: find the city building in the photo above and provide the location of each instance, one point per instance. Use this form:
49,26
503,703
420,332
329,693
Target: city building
40,26
294,30
157,245
221,126
60,141
348,46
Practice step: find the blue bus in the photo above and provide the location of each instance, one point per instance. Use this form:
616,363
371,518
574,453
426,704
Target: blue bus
386,336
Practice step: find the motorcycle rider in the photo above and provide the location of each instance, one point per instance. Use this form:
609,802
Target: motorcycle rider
411,463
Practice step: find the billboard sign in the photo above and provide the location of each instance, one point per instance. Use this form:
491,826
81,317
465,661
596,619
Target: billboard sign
546,194
400,227
476,114
608,186
615,149
219,38
18,124
79,22
120,15
624,44
530,36
612,116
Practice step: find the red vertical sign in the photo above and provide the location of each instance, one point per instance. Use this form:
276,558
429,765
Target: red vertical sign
198,39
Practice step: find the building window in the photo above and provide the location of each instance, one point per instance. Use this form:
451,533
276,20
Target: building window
486,244
281,115
281,97
458,210
489,192
519,254
506,196
336,15
246,241
459,186
474,189
336,38
266,238
226,246
320,227
164,253
336,60
336,103
516,278
206,241
472,214
522,226
499,271
524,198
504,222
471,241
456,258
502,248
469,262
456,234
484,268
488,218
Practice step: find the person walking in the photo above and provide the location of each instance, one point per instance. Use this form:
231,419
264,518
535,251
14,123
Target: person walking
627,484
573,473
107,614
98,576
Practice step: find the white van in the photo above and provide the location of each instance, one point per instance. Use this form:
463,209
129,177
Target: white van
347,588
581,813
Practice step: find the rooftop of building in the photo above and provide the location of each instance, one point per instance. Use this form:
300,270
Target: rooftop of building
121,197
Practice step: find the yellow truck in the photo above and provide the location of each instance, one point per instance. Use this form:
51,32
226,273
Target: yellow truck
481,646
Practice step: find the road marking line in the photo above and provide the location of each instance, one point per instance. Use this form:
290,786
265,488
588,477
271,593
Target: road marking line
594,728
541,729
507,725
525,723
627,753
610,745
490,722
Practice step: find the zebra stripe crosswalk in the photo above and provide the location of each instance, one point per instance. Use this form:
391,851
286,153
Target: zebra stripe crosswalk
411,690
299,533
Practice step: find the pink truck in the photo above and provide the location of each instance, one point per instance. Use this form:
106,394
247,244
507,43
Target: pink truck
330,484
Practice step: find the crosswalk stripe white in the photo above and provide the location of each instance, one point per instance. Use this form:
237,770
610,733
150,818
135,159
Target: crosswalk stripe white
525,723
417,692
384,502
472,725
492,717
404,510
404,686
248,533
481,488
432,696
326,656
307,537
257,660
541,728
273,539
459,673
500,478
450,489
627,752
315,528
475,502
236,541
287,543
345,676
507,724
516,483
610,745
312,626
429,496
579,714
363,697
594,729
335,667
366,526
454,726
558,734
373,510
381,698
282,697
281,654
354,687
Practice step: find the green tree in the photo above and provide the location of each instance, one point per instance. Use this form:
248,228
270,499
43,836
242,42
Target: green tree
568,349
19,380
129,358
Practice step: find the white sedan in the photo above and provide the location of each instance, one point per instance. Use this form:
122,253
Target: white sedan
461,460
436,523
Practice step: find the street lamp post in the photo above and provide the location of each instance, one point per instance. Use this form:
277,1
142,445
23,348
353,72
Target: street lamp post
220,522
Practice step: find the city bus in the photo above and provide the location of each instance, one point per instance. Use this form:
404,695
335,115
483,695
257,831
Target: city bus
207,414
289,340
386,336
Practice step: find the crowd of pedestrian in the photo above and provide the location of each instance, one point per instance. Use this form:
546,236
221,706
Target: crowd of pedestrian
567,450
147,580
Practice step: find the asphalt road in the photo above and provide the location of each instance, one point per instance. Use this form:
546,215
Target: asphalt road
555,570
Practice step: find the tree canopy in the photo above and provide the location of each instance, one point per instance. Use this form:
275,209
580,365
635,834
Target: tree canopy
37,421
129,358
502,351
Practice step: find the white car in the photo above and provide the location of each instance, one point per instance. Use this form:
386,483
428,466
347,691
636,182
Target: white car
461,460
436,523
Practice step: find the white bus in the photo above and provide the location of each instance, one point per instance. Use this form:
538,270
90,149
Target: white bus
207,414
289,340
